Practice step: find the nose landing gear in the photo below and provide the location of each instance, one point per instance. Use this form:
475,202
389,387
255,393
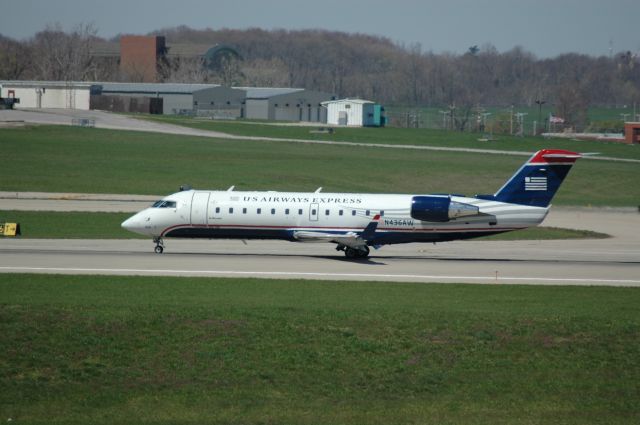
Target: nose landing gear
159,245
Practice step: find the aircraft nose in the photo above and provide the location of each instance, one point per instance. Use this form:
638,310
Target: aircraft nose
130,224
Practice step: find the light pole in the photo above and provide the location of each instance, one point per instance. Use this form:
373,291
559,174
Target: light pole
484,121
520,119
452,110
540,102
444,119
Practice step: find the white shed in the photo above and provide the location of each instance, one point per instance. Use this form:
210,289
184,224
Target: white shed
48,94
351,112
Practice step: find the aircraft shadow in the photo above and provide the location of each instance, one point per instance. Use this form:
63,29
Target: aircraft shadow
381,260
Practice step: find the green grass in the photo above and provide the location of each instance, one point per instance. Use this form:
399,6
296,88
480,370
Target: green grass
67,159
404,136
80,225
69,225
77,349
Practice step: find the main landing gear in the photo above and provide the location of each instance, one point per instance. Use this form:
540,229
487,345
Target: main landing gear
159,245
349,252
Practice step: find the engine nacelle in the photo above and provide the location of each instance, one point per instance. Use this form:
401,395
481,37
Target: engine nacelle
440,208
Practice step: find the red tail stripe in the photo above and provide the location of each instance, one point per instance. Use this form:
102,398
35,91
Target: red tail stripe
550,156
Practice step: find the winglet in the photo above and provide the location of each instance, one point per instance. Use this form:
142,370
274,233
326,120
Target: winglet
369,232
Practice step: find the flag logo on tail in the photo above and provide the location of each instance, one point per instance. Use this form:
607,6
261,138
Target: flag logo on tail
535,183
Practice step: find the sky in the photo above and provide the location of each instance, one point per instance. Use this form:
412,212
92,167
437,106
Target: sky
546,28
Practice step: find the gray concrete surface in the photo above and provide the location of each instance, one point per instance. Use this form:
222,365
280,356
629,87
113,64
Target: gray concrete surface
86,202
122,122
614,261
102,120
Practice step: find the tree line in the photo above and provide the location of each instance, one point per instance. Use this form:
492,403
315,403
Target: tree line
351,65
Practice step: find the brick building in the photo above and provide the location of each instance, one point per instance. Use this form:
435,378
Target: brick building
140,55
632,132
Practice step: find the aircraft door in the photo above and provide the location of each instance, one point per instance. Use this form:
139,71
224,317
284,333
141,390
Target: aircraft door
313,212
215,210
199,204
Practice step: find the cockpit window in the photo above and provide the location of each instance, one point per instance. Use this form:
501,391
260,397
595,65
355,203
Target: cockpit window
164,204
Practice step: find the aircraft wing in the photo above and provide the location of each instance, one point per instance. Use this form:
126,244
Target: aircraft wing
350,239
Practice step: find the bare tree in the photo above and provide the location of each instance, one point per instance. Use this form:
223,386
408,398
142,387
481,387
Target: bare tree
267,73
64,56
15,59
185,70
572,105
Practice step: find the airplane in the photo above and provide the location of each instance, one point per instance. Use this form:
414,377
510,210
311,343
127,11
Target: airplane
355,222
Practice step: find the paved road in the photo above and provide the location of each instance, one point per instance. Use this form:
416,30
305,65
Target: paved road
614,261
122,122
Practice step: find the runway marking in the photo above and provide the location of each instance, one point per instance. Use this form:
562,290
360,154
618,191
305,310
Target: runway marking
620,282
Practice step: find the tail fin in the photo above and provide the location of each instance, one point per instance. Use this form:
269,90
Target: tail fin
538,180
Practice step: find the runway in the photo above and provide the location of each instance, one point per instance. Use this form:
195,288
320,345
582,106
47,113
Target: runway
614,261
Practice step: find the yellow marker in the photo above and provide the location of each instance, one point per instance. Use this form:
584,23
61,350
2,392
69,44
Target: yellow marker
9,229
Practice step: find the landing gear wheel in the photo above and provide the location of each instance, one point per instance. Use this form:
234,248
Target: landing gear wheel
357,253
159,245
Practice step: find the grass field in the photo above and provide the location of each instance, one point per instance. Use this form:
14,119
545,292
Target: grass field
67,159
432,118
77,349
80,225
403,136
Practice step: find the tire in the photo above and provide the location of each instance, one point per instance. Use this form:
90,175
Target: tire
350,253
159,249
357,253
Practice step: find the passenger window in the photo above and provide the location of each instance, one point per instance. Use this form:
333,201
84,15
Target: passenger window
353,212
381,213
286,211
244,211
340,212
313,212
230,210
300,211
326,212
259,211
217,210
367,213
273,210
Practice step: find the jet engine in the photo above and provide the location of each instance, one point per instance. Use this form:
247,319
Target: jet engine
440,208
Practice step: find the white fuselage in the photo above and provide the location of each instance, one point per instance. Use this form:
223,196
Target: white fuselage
280,215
